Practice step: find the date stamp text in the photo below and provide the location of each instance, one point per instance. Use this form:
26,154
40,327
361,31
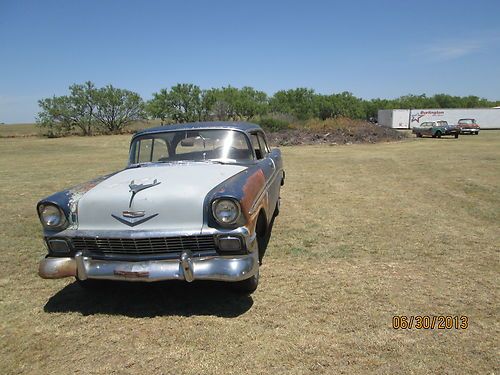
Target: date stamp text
430,322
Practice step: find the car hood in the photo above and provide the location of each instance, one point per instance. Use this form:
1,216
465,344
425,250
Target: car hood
166,197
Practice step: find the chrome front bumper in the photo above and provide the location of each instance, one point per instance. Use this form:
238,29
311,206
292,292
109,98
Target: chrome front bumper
187,267
469,130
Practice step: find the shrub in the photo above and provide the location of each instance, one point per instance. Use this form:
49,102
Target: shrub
273,124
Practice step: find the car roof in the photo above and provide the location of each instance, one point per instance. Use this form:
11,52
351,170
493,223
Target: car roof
235,125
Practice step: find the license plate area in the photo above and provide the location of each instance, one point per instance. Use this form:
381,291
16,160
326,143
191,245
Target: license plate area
132,271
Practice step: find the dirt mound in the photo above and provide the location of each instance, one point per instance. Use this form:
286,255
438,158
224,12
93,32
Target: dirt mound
360,133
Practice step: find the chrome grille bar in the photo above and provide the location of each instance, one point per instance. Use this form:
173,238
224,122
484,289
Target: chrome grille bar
159,245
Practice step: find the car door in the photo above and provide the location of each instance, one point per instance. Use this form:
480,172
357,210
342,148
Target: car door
277,178
426,128
271,164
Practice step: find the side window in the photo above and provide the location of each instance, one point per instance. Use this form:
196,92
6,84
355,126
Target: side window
263,145
144,150
151,149
160,150
256,146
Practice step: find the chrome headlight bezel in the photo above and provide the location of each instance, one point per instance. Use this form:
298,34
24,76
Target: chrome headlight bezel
52,216
237,217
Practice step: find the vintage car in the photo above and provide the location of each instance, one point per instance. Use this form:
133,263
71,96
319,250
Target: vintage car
436,129
468,126
197,201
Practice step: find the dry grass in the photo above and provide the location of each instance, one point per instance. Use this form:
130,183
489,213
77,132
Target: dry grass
32,130
366,232
19,130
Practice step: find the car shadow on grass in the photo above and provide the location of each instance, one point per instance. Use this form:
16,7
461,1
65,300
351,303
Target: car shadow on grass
140,300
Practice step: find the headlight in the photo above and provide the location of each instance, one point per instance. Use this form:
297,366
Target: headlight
226,211
51,216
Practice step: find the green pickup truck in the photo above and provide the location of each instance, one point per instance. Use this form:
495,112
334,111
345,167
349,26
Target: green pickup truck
436,129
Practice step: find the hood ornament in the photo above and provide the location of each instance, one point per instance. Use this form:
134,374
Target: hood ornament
134,189
133,218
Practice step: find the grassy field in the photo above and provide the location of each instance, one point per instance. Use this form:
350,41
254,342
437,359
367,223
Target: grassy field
31,130
19,130
366,232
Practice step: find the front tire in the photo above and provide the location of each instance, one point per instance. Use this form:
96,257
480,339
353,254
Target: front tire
438,134
247,286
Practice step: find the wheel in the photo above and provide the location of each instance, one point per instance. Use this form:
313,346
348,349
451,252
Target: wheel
456,135
477,133
438,134
247,286
419,135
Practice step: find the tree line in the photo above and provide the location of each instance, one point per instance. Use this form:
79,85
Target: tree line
109,110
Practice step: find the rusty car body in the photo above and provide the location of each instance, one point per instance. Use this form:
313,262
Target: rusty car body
436,129
197,201
468,126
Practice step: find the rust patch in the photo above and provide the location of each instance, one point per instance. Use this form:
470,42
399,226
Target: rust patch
131,274
253,186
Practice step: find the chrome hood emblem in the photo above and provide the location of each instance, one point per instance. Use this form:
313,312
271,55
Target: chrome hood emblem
133,214
132,222
134,189
133,218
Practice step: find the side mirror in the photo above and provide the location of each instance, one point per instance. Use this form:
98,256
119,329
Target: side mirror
189,142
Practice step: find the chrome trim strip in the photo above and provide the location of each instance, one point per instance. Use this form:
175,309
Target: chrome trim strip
70,233
261,194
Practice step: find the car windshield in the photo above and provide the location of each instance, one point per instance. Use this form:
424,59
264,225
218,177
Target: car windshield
466,121
228,146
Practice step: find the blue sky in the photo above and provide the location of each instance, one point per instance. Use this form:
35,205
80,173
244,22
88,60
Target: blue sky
371,48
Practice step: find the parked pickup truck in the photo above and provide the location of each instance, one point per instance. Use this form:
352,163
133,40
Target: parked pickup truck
468,126
436,129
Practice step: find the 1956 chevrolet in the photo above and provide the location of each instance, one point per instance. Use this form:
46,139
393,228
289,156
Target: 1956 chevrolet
197,201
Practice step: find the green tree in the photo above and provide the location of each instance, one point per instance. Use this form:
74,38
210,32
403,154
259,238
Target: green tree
300,102
56,116
230,103
59,115
157,107
251,102
182,103
222,103
117,108
344,104
89,109
83,106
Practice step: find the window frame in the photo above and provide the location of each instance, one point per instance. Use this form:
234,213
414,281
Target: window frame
133,149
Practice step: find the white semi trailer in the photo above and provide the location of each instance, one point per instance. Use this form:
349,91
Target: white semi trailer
487,118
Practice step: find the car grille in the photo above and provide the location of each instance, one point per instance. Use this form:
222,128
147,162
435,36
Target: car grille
141,246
